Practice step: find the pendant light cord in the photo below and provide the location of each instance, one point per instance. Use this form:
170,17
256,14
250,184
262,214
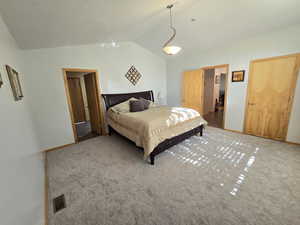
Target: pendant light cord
171,19
171,26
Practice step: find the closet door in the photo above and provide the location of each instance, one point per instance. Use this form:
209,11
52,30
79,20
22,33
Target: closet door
93,102
209,91
192,90
76,99
270,94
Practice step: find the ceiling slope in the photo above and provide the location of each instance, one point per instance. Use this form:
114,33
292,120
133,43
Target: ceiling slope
53,23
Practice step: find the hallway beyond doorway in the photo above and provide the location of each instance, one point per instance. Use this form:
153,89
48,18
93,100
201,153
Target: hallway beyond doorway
214,119
215,86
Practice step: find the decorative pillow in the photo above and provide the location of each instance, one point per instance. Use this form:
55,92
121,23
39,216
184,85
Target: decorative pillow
122,107
136,106
145,102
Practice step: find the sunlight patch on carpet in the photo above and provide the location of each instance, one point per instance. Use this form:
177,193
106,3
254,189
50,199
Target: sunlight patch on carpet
230,159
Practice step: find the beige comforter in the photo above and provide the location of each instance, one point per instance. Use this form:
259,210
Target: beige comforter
150,127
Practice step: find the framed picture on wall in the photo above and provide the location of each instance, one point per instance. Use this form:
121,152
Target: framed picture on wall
14,83
1,81
238,76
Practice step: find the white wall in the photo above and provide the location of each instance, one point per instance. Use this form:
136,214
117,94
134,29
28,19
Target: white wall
48,99
223,82
294,128
21,166
238,55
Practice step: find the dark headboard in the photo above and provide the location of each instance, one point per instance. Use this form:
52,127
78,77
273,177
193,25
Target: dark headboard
114,99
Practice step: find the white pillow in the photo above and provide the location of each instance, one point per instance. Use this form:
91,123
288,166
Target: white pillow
122,107
152,104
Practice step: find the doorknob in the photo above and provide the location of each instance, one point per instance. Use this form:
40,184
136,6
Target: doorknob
251,103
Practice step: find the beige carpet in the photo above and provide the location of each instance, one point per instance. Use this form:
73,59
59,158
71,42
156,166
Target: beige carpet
218,179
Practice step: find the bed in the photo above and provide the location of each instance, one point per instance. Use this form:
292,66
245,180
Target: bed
154,123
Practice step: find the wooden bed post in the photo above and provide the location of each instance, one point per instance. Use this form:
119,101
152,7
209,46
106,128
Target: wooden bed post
109,131
152,157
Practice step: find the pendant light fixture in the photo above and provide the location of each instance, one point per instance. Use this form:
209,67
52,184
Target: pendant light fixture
168,48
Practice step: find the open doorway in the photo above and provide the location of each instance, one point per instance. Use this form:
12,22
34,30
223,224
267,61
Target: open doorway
214,98
83,93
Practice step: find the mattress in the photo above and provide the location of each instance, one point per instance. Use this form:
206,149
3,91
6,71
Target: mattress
149,128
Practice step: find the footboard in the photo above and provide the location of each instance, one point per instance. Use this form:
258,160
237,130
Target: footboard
174,141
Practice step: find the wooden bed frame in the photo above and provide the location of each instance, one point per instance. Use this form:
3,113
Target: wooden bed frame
114,99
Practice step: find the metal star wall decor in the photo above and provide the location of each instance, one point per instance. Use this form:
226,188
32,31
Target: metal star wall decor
133,75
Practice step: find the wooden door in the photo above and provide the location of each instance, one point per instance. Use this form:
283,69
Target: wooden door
76,99
193,89
93,102
209,84
270,94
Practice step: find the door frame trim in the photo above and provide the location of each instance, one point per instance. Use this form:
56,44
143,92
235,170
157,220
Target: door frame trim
69,102
226,87
292,90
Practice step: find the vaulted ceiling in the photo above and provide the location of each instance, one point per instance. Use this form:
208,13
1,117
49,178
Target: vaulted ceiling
52,23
